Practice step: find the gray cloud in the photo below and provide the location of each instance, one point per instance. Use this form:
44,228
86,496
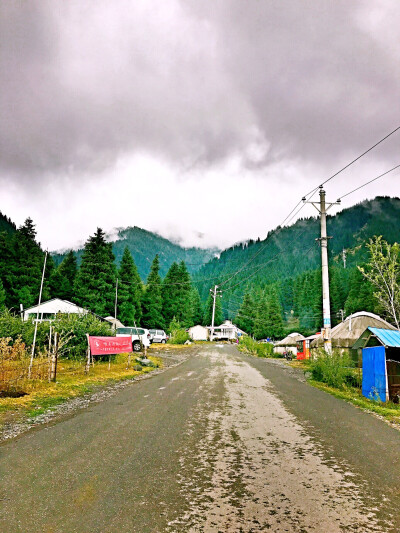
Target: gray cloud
84,83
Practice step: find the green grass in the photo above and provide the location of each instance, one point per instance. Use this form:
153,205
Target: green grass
71,383
388,410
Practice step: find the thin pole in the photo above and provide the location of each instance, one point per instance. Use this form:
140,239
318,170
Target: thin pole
116,301
325,276
322,208
213,311
37,319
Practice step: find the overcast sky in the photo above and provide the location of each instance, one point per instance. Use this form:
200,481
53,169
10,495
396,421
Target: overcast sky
202,120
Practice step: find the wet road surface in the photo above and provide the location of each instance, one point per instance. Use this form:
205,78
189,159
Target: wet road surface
221,443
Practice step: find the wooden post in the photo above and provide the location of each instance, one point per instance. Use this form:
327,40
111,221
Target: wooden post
109,362
87,367
54,357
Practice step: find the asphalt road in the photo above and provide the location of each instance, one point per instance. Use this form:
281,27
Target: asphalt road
221,443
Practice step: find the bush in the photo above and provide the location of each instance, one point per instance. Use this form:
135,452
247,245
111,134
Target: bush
178,335
12,326
260,349
335,370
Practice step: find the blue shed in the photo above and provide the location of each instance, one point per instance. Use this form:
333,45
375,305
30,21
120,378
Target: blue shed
380,363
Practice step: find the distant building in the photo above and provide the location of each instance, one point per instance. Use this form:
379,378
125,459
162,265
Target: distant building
48,310
226,331
345,334
289,343
198,333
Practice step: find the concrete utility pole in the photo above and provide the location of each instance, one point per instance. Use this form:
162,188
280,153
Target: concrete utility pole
344,258
214,293
322,208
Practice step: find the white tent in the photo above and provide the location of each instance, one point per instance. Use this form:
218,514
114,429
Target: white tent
48,310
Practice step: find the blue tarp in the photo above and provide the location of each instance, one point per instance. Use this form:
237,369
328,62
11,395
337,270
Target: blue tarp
374,379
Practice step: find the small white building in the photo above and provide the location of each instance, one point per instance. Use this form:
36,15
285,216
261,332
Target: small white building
198,333
48,310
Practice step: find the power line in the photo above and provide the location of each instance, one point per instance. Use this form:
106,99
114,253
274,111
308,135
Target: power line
368,182
359,157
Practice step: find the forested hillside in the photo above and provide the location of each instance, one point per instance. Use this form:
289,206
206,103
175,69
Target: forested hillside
283,271
144,245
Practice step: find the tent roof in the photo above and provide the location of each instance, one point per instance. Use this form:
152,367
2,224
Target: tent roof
56,305
291,339
345,334
387,337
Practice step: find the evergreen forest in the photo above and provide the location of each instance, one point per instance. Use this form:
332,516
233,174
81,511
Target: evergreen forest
268,287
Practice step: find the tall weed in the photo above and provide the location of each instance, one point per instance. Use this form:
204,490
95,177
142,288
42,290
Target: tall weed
335,370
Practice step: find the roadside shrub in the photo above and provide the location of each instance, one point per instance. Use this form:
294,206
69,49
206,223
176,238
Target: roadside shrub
11,326
260,349
178,335
335,370
79,325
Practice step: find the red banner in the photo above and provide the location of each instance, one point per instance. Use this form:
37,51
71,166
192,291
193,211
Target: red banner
110,345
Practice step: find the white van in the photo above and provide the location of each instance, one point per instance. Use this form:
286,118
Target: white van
140,337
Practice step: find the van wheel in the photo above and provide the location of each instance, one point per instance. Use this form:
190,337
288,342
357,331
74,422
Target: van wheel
163,341
136,346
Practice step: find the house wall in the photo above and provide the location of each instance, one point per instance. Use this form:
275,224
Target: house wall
198,333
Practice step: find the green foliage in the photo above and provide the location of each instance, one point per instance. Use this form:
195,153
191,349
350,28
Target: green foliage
2,296
296,274
383,272
197,308
95,281
152,299
12,326
130,291
79,325
62,278
335,370
260,349
178,335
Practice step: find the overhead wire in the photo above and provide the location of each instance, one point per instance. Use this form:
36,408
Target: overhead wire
368,182
308,196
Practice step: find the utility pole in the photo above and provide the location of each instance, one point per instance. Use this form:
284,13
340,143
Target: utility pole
37,319
116,301
215,293
344,258
322,207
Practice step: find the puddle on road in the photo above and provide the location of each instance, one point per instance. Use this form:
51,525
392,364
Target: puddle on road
256,469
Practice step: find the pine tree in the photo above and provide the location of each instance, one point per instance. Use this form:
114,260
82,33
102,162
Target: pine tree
27,266
197,314
2,296
95,281
274,315
262,328
66,273
129,309
170,294
184,296
152,299
246,314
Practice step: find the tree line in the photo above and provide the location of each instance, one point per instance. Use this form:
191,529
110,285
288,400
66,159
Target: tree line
95,283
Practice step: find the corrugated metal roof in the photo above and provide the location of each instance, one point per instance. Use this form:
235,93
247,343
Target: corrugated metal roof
388,337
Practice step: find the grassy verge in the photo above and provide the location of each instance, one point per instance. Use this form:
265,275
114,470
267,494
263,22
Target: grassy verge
71,382
388,410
